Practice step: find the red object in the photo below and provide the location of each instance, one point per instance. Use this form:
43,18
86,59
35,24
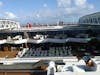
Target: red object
29,25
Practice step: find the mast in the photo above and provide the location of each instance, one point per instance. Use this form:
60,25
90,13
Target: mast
27,37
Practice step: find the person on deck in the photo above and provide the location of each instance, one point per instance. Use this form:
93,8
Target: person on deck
89,65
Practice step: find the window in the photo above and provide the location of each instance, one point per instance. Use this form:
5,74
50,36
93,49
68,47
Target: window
7,22
91,20
3,22
95,20
7,26
87,20
98,19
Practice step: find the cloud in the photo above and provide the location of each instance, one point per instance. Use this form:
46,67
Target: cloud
45,12
10,15
73,7
1,3
45,5
64,3
38,16
80,3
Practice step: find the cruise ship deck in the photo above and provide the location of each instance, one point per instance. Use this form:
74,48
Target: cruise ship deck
50,49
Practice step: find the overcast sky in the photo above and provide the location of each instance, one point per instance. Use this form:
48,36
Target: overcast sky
47,11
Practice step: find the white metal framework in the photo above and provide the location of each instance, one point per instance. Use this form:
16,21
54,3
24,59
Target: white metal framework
7,24
93,19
